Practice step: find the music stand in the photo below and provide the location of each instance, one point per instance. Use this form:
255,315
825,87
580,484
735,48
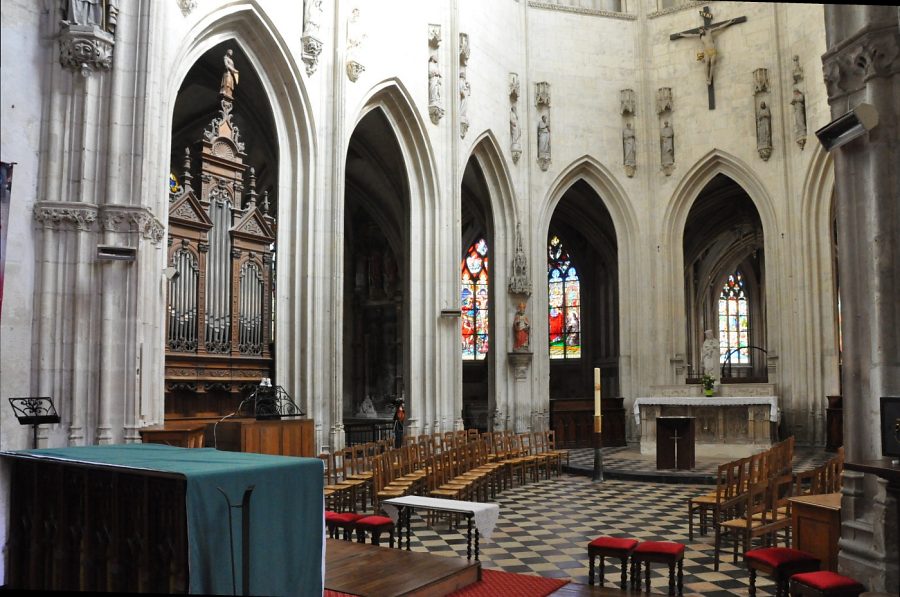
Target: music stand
34,411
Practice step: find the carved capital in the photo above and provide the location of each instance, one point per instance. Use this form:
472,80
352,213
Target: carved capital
132,219
664,102
434,36
62,215
85,48
187,6
312,47
542,94
513,87
873,52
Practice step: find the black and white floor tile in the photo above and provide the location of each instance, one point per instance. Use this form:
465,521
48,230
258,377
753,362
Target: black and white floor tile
544,529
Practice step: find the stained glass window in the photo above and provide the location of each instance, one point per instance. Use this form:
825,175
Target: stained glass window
734,321
474,302
564,288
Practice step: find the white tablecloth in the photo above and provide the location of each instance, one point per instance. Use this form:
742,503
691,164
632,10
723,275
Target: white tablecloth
484,515
772,401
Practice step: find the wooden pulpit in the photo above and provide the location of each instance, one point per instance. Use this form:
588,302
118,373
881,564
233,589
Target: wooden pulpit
675,442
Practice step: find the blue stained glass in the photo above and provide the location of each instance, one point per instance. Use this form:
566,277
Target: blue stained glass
474,300
734,320
564,297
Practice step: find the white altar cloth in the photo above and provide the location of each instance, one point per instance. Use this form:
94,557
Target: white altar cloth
772,401
484,515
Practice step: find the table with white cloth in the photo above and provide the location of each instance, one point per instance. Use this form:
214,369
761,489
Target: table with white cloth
726,426
484,516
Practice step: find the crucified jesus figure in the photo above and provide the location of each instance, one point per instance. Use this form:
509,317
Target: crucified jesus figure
706,35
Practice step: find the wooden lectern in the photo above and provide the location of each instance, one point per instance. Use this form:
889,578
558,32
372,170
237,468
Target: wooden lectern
675,442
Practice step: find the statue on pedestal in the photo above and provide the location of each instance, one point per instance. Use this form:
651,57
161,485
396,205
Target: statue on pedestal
710,355
521,330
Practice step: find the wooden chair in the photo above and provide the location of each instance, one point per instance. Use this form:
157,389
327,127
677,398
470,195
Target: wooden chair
765,513
551,444
340,492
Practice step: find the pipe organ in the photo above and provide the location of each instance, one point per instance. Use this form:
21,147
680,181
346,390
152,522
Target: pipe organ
219,305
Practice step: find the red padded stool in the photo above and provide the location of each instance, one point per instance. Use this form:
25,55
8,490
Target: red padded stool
781,563
374,525
614,547
824,584
663,552
343,521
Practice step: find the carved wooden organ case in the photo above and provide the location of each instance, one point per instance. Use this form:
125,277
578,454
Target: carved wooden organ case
218,312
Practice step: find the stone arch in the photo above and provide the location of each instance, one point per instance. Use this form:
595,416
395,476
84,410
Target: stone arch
247,25
486,151
431,383
671,243
625,223
818,304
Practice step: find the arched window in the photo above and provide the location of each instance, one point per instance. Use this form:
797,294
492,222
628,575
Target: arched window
564,289
474,302
734,321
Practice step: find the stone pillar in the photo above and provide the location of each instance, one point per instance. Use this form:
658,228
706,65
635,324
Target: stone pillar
862,65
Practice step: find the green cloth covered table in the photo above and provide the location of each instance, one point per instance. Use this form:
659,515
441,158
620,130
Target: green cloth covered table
287,531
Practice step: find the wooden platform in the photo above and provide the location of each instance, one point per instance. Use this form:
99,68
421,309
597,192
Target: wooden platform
363,569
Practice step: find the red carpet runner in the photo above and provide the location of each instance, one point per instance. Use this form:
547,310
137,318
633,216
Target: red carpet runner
495,583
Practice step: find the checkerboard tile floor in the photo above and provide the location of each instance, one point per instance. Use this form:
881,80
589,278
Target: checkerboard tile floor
544,529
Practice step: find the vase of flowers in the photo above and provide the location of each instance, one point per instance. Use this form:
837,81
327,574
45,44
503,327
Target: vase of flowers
708,384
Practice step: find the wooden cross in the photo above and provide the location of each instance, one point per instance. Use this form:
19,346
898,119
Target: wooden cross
705,33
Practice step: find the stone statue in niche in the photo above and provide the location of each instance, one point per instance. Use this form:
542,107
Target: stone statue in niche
797,72
543,142
710,355
798,102
229,77
435,85
312,16
667,147
515,133
464,91
85,12
764,131
521,330
628,149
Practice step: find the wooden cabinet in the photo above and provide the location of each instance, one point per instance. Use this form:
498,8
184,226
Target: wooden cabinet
816,526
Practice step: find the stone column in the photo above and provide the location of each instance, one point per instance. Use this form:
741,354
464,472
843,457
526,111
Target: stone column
862,65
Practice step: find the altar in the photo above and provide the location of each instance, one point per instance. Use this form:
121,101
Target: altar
742,420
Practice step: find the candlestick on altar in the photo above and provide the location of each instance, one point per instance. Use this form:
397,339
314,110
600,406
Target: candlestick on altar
598,429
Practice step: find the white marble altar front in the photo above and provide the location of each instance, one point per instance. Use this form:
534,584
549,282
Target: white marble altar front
740,421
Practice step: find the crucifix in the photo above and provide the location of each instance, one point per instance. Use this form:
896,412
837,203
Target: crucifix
675,438
706,34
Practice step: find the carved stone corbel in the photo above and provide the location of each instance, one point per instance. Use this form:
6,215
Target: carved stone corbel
85,48
355,38
310,43
520,362
66,215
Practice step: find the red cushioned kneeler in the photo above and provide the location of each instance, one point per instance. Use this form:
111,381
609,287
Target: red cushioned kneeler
614,547
340,520
824,584
779,562
375,525
663,552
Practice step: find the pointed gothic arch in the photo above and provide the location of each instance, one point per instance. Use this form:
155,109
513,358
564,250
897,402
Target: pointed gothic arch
430,380
602,182
252,31
672,227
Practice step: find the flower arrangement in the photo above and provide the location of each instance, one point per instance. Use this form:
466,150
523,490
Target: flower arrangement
708,384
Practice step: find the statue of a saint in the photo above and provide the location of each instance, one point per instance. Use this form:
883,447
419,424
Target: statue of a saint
543,137
710,355
367,408
229,77
521,330
628,145
85,12
799,104
707,54
464,91
515,133
312,14
763,127
434,82
667,144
